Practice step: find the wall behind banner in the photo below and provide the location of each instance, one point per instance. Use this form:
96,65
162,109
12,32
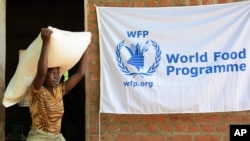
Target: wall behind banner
171,127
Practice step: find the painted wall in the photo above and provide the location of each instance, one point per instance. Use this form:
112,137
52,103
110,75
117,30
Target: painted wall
170,127
2,64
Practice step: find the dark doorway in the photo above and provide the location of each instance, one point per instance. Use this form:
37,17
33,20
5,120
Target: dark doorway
24,19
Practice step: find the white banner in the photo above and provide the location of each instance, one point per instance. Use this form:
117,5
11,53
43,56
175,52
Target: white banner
192,59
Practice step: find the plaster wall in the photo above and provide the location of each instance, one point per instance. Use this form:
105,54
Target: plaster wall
2,64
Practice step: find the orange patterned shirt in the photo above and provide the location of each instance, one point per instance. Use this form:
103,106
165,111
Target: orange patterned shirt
47,110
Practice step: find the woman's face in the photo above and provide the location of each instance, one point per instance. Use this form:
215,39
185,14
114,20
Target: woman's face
52,78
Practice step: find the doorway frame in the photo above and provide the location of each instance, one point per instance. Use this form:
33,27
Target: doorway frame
2,64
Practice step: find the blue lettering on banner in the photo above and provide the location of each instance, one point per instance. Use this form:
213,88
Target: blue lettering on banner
194,68
176,58
232,55
138,84
203,58
137,58
138,34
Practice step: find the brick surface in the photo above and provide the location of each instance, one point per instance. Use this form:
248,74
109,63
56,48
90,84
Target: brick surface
172,127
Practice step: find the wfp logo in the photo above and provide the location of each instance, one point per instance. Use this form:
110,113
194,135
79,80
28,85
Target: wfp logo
137,58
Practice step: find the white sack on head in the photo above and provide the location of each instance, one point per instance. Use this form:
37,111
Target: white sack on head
65,50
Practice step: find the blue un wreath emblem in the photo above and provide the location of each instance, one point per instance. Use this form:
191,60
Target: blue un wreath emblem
137,59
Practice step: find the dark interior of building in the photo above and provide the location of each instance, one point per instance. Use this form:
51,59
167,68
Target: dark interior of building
24,20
